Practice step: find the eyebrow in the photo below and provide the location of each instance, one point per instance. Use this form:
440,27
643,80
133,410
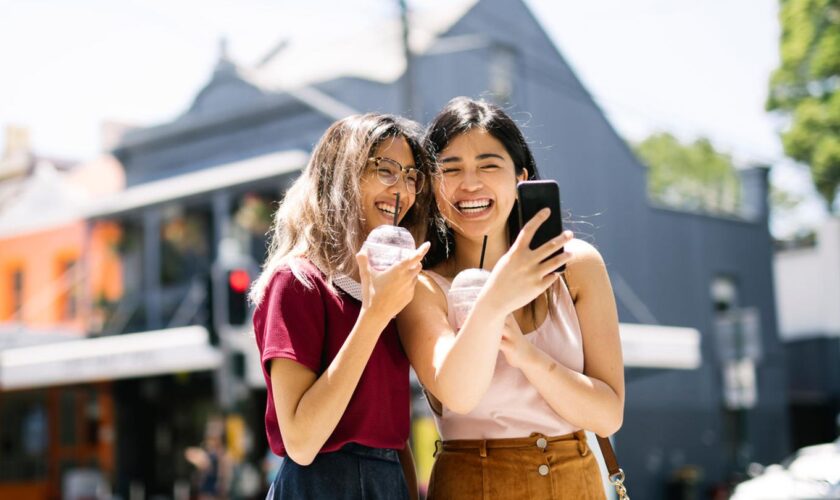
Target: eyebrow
484,156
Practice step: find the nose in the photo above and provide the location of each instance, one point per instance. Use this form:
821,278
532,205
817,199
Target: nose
406,196
471,181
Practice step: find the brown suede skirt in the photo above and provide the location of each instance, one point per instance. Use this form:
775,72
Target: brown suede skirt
536,467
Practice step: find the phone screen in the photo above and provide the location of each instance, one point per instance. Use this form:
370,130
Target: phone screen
533,197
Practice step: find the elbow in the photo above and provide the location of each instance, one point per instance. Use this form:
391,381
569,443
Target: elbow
301,452
460,407
455,400
300,456
458,404
611,425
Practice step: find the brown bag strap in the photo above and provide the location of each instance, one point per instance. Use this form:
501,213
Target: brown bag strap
616,474
609,455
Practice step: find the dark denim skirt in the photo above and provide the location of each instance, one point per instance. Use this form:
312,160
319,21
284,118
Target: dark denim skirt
354,472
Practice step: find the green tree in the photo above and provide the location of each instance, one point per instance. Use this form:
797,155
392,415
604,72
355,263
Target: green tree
806,88
690,176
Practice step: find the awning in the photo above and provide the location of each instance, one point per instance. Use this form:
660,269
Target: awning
108,358
657,346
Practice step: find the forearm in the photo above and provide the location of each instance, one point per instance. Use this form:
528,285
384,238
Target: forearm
583,401
465,371
324,403
407,462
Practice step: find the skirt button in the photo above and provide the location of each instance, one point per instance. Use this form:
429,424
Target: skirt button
542,443
543,470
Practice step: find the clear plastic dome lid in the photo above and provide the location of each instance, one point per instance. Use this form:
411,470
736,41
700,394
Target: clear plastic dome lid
470,278
391,235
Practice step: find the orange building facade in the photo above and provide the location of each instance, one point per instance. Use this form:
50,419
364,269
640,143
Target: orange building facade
52,283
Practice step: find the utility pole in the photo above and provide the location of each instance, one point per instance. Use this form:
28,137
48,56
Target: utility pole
408,76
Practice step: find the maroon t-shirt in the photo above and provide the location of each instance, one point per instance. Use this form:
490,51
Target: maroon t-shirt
309,326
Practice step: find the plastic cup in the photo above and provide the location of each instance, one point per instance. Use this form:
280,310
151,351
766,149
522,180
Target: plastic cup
386,245
464,291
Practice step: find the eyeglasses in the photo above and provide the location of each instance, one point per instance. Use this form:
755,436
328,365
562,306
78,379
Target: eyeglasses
388,172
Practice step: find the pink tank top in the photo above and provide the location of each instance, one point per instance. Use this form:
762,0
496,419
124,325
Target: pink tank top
512,407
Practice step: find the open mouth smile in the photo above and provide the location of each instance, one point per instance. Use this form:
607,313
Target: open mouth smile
386,208
474,207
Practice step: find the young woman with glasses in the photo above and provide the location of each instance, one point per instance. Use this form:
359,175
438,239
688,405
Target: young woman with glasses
337,376
536,361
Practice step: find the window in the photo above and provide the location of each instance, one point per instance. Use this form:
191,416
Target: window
69,289
24,436
502,66
16,313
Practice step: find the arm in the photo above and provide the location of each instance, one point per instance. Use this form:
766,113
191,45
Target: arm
309,406
458,370
594,399
407,462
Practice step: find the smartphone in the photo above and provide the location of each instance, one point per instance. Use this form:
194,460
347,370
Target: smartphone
533,197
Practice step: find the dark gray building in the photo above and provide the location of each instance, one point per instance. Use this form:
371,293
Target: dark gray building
712,274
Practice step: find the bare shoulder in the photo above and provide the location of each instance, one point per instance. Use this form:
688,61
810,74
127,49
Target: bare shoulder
428,288
585,256
428,296
585,269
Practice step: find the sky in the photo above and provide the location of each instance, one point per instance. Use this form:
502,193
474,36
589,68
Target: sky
689,67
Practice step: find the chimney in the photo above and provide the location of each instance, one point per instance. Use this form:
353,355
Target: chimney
754,192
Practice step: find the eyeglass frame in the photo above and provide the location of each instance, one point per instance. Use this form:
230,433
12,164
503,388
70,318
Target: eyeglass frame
404,171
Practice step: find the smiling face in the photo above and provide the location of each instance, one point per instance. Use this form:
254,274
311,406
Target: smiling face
477,186
379,200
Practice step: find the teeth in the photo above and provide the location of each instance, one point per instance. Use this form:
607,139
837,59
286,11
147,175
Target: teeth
474,204
389,209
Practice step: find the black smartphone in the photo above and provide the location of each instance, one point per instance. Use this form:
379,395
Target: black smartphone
533,197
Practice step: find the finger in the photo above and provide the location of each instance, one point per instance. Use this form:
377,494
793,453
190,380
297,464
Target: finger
364,265
548,280
421,251
416,257
551,265
549,247
530,228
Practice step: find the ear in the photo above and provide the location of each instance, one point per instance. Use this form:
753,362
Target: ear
523,176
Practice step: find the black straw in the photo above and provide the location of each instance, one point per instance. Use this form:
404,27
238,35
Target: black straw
397,211
483,248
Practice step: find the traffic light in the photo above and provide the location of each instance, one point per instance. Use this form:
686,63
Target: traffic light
238,281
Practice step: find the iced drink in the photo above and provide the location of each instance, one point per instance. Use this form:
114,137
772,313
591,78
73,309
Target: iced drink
464,291
386,245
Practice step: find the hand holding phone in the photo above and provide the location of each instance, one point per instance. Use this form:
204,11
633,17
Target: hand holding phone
533,197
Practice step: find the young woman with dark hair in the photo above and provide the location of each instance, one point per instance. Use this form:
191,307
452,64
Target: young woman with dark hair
538,359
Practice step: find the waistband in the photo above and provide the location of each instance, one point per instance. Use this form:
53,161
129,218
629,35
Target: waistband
360,450
534,440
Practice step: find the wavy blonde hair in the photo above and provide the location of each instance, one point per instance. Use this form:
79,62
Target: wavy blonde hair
320,218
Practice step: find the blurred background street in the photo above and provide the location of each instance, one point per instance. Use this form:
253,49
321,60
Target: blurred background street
144,146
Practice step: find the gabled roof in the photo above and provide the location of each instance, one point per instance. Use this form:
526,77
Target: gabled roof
372,53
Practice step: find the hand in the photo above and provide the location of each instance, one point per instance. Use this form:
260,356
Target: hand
514,345
387,292
528,269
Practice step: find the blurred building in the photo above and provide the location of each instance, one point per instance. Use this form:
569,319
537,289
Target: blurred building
695,291
808,299
56,273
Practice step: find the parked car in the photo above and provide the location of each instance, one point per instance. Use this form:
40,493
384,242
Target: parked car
812,472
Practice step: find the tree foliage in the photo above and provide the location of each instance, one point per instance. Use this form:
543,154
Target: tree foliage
690,176
806,88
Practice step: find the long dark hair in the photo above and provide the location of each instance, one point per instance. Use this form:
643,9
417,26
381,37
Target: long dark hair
459,116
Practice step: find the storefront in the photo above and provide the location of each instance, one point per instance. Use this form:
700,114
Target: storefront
94,415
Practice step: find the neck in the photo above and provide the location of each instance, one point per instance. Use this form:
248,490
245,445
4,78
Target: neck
468,251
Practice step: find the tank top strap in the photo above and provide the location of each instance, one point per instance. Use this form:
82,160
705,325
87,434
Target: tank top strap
442,282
